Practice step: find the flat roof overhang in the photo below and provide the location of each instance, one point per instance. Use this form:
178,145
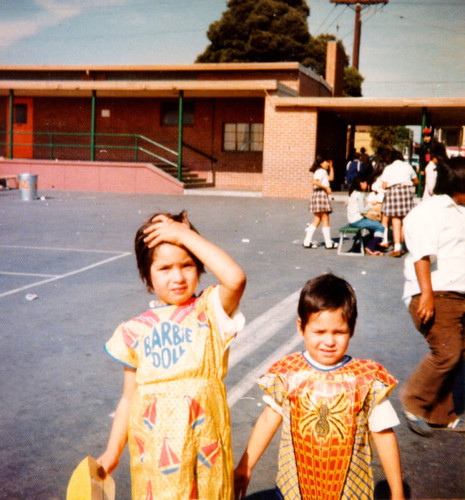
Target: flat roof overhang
163,89
383,111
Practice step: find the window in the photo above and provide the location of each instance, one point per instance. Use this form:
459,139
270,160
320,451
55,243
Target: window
170,113
243,137
21,113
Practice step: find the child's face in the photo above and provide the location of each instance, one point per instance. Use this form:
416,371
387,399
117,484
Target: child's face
325,164
174,274
363,185
326,336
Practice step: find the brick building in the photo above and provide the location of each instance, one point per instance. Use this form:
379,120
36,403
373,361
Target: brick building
118,128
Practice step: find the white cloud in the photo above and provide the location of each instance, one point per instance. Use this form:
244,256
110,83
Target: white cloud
50,13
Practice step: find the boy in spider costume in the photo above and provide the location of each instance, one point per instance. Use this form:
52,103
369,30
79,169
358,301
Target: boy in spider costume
330,404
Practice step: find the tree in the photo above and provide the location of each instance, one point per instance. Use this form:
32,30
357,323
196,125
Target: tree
272,31
259,31
391,137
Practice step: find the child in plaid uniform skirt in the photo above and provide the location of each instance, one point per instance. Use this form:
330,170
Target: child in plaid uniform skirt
319,204
398,178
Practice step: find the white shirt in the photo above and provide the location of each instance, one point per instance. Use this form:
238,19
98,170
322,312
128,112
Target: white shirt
398,172
431,175
436,228
376,195
321,175
356,207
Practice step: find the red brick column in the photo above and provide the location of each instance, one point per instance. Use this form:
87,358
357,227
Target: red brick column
290,136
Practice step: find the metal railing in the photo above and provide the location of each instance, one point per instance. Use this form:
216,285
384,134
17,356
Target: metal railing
100,142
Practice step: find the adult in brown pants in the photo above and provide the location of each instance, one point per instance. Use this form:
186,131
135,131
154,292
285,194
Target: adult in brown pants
435,287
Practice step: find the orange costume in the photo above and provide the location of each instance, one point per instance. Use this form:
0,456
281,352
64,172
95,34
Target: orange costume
325,453
179,429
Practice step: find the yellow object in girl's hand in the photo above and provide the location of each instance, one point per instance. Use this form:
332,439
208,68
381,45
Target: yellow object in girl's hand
86,482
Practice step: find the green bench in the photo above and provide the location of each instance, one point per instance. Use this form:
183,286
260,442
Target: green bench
357,240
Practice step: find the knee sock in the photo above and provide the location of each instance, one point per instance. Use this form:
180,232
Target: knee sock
327,235
310,230
385,236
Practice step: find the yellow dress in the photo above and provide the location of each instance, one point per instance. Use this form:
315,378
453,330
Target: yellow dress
179,427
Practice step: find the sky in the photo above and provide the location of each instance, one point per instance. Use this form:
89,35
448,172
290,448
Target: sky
409,48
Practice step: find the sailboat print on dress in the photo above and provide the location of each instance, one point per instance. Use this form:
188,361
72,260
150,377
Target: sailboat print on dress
169,462
208,454
141,447
149,495
196,413
131,338
150,414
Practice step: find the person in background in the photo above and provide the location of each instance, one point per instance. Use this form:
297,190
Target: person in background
320,205
398,178
357,208
434,291
353,168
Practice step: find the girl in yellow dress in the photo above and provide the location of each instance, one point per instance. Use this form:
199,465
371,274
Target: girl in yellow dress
173,409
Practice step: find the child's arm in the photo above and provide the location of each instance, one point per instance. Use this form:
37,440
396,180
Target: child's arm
388,452
425,309
265,428
231,277
119,431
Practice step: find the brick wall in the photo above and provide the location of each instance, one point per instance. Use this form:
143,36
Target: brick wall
290,146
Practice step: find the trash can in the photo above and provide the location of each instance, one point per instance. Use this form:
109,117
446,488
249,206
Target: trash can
28,186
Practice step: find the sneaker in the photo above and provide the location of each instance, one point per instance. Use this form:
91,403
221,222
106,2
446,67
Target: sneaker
417,424
458,425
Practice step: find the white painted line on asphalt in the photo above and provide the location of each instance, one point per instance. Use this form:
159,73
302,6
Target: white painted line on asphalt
240,389
262,328
67,275
254,335
61,249
7,273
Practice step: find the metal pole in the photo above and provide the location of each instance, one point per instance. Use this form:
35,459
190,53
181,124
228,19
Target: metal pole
10,121
92,127
421,172
357,35
180,117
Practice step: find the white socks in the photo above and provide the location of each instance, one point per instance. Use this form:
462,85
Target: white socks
326,230
310,230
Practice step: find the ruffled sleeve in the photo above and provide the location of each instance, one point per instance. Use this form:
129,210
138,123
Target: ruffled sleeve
228,326
123,344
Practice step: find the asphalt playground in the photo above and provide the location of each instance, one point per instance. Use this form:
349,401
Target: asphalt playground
68,278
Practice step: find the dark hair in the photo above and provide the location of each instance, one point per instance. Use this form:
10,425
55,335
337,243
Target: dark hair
319,159
144,254
355,186
396,155
328,292
451,176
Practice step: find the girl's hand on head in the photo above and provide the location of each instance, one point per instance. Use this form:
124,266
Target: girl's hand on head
166,230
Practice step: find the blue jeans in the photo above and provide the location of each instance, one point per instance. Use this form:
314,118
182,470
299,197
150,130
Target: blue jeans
373,226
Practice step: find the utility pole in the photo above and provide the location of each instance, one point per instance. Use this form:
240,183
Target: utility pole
358,24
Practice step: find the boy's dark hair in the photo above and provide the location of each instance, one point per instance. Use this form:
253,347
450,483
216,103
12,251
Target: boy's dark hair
328,292
144,254
451,176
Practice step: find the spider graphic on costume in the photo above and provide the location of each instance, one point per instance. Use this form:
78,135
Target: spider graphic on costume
323,417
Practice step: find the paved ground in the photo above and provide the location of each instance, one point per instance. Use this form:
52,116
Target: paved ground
71,253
